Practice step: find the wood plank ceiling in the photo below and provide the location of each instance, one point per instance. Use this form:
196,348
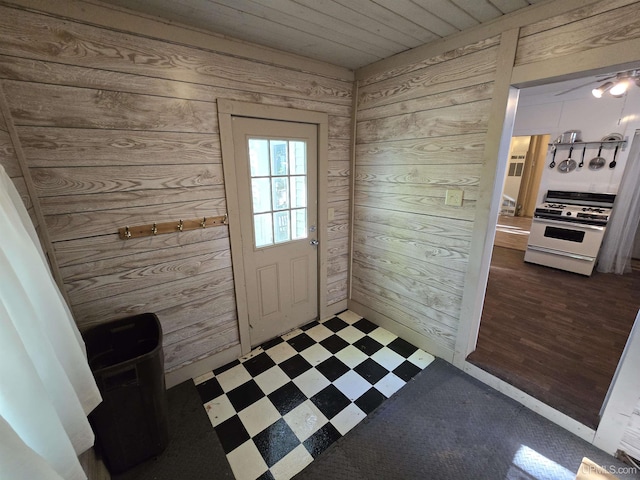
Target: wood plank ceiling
348,33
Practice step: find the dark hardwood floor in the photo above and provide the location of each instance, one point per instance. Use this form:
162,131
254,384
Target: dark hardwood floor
554,334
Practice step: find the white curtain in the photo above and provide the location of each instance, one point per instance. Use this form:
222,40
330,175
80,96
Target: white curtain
615,256
46,385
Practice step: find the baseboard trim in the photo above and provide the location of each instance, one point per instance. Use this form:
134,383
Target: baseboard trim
200,367
402,331
555,416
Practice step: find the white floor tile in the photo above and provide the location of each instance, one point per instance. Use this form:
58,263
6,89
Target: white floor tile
219,409
350,334
351,356
305,420
234,377
388,358
272,379
259,416
251,354
292,464
246,462
311,382
348,418
389,384
281,352
315,354
319,333
352,385
421,359
349,317
385,337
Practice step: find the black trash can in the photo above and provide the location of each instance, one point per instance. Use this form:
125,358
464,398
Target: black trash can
127,362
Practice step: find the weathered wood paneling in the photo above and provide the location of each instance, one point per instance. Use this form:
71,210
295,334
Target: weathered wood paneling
8,157
121,129
419,133
579,31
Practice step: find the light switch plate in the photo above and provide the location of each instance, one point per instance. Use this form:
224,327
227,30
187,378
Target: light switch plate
453,198
331,213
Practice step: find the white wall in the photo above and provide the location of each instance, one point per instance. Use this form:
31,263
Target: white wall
519,147
541,111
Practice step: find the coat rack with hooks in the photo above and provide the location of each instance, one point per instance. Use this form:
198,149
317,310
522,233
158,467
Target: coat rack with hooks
152,229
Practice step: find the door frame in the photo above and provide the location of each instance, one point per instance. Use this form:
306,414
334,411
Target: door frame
227,109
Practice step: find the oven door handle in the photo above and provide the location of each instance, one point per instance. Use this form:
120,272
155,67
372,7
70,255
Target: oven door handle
567,224
561,254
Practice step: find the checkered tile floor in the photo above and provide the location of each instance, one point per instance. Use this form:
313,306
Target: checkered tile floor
282,405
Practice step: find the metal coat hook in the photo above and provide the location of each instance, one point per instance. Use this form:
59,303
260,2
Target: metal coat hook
224,219
127,232
180,225
154,229
203,223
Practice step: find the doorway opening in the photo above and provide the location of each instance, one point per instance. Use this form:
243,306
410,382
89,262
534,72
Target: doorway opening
554,334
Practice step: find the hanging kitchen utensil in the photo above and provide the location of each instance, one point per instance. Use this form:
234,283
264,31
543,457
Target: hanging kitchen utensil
553,158
568,165
615,154
598,162
584,149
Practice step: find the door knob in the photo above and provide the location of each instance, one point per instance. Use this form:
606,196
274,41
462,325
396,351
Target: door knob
314,242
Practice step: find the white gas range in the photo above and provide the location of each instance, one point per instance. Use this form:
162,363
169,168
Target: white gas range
567,230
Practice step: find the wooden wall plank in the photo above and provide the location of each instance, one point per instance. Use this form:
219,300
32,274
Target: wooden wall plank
454,149
460,72
8,157
40,105
44,38
78,225
96,248
607,28
80,147
455,120
124,274
61,181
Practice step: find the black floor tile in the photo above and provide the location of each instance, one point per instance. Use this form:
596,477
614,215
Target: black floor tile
335,324
330,401
226,367
286,398
334,343
295,366
271,343
301,342
246,394
406,370
368,345
332,368
266,476
370,400
309,325
209,390
232,433
321,440
275,442
258,364
402,347
371,371
365,325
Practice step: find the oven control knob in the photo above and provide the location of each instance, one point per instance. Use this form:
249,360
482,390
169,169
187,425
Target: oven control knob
568,214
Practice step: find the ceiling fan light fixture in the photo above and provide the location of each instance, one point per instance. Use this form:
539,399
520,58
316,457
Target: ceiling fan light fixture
601,90
620,88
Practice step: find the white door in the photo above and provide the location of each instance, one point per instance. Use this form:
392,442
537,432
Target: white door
276,165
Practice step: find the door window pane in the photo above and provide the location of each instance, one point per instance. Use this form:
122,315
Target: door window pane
261,191
259,157
298,158
281,227
263,229
299,223
279,163
278,171
298,191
